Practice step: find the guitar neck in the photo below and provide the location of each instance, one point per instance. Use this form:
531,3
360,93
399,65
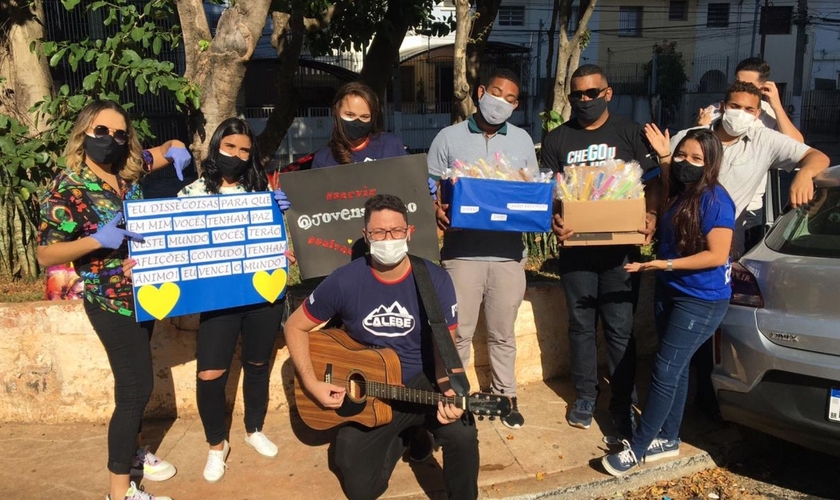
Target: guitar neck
419,396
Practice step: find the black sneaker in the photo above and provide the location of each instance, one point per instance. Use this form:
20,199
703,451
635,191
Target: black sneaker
421,446
514,420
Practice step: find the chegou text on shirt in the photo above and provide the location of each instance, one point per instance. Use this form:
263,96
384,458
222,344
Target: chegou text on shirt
595,154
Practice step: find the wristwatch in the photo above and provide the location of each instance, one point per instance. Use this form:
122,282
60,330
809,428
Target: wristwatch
669,265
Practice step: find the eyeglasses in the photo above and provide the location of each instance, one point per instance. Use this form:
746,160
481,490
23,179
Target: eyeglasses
120,136
592,93
397,233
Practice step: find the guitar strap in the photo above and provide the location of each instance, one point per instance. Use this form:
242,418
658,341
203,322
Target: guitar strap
431,304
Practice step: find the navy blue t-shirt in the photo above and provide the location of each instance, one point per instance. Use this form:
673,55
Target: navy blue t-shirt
384,314
380,146
716,210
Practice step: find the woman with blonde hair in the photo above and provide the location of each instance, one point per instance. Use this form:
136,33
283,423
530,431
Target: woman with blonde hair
81,214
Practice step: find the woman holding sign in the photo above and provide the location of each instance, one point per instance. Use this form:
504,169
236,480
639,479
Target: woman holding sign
81,214
357,135
233,166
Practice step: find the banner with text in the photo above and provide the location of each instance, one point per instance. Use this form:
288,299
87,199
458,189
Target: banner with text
327,214
205,253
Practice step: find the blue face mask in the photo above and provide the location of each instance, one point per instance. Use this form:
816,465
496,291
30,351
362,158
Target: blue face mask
495,110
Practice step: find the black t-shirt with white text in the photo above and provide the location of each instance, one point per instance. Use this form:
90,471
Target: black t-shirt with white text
617,139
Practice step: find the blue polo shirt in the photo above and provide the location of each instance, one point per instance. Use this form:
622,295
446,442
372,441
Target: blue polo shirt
466,142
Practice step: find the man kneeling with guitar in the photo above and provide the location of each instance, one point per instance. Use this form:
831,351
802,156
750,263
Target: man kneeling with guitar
377,300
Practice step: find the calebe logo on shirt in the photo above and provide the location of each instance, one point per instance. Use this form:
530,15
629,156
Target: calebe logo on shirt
392,321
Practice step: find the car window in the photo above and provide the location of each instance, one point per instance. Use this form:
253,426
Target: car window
811,230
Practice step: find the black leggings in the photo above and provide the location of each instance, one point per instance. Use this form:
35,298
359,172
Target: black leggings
366,458
218,332
130,356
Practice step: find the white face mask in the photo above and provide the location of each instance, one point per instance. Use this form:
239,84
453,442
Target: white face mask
495,110
736,122
389,252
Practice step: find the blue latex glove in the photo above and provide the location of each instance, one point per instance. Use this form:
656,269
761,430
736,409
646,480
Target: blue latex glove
180,159
110,236
433,188
282,200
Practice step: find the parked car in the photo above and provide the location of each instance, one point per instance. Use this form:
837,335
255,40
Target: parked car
777,353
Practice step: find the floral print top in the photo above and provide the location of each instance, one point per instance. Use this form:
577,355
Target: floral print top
76,202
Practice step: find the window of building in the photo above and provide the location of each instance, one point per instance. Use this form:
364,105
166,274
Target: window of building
718,15
511,15
678,10
629,21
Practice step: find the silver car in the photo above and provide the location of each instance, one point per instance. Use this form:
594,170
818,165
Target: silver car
777,354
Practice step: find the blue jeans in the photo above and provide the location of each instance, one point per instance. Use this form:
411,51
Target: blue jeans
596,285
684,323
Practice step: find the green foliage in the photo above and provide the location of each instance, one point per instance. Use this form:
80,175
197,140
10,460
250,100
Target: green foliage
551,120
670,69
126,59
361,19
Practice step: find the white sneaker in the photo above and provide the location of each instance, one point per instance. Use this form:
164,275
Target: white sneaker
214,469
262,444
150,467
135,493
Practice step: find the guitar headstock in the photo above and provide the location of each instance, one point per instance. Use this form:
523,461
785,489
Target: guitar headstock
488,405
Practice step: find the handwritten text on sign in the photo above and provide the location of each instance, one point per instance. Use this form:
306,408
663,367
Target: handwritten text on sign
206,253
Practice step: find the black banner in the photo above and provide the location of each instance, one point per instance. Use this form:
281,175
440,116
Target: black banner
326,219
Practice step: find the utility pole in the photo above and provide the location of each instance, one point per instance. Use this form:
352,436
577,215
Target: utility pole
799,61
755,28
801,42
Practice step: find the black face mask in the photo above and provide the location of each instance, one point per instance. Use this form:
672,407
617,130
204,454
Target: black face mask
104,150
589,111
685,172
356,129
232,167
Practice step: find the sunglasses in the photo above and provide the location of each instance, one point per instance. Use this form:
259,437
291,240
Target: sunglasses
120,136
593,93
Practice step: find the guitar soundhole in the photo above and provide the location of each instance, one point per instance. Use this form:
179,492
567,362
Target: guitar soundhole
356,390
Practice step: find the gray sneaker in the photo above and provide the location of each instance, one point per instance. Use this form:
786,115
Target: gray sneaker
662,448
581,413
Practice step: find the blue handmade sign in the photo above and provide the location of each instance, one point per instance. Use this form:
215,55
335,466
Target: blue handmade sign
204,253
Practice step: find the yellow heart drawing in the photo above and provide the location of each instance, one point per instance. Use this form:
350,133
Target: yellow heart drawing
270,286
159,301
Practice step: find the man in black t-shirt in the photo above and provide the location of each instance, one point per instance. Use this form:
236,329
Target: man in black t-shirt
594,278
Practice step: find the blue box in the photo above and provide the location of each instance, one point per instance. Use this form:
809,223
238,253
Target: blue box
498,205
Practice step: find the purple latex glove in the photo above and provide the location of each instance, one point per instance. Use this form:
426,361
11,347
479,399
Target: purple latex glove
110,236
180,159
282,200
433,188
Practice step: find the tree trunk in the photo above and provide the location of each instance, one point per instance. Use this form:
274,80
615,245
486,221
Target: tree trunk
287,39
219,70
26,73
479,34
568,55
462,103
384,50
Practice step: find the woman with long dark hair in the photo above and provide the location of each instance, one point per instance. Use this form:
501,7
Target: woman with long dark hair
81,214
357,134
692,288
233,166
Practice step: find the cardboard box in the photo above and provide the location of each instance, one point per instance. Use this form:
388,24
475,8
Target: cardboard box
604,222
497,205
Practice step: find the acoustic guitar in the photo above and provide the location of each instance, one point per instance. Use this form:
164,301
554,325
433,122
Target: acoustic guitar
372,377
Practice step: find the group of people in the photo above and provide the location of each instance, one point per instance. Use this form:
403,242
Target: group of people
699,186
